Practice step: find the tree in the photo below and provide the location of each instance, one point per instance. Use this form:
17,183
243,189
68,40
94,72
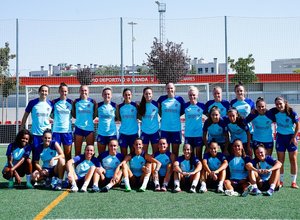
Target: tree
296,71
244,70
7,82
85,76
168,62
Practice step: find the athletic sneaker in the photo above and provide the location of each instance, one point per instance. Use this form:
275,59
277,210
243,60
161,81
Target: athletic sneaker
193,189
269,192
104,189
58,186
142,189
164,188
294,185
281,184
255,192
157,188
231,193
127,188
10,184
220,189
247,191
177,189
83,190
74,189
95,188
29,185
202,189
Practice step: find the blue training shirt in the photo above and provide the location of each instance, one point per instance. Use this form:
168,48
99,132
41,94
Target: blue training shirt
82,165
84,114
285,124
136,163
215,131
62,122
150,123
262,126
110,162
165,159
214,163
17,153
46,154
128,114
193,119
236,130
223,106
237,167
268,163
107,114
40,114
171,110
187,165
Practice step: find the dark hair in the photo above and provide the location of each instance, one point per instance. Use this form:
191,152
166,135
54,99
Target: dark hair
258,146
48,130
214,108
106,88
239,120
20,135
62,84
142,106
125,90
287,108
259,99
113,139
192,154
44,85
238,85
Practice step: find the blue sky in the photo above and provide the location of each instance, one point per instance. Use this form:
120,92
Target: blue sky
89,31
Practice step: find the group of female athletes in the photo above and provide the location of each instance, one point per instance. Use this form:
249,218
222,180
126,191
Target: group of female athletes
237,135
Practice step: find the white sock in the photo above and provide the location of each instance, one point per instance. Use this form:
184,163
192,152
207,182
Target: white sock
281,177
156,182
126,182
28,178
177,183
203,184
272,186
221,183
85,185
145,182
166,184
74,183
293,178
108,186
195,183
254,186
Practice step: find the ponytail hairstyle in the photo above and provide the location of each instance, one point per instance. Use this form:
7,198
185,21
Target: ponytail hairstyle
142,106
287,109
44,85
259,99
48,130
243,150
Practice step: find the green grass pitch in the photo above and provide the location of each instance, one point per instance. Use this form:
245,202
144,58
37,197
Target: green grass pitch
26,204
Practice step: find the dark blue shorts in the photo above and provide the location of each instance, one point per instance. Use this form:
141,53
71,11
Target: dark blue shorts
127,140
81,132
63,138
283,143
194,141
172,137
152,138
104,140
37,140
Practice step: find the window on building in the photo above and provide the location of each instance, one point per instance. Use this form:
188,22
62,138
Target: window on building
212,70
200,70
206,70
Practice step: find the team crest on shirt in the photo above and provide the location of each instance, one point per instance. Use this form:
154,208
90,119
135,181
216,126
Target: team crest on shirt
153,110
198,110
220,129
132,110
176,105
287,120
48,109
88,105
246,107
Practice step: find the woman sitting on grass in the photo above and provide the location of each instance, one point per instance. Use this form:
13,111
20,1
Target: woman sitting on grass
214,169
110,173
264,172
85,166
187,170
18,161
138,172
53,159
166,158
238,175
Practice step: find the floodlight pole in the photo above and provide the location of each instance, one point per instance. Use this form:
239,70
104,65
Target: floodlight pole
132,49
